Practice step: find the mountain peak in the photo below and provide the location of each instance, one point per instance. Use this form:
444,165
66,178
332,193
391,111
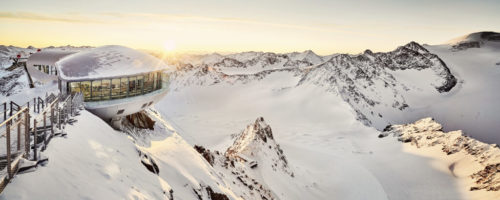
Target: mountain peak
257,143
257,133
309,52
415,47
482,36
368,52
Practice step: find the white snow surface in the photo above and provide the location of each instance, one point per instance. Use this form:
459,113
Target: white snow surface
336,156
472,106
380,98
96,162
330,152
108,61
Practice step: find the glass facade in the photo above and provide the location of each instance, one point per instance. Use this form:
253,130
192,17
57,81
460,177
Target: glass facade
117,88
51,70
106,89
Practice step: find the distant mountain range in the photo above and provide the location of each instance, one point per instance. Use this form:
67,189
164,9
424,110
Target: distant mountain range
400,86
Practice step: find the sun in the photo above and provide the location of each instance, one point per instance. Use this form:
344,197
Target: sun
169,46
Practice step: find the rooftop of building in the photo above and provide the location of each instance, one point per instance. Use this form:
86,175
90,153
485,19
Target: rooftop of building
108,62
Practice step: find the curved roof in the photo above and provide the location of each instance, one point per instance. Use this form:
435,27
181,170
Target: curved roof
107,62
47,57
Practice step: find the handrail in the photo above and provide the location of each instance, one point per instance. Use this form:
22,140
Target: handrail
11,109
13,116
19,131
47,108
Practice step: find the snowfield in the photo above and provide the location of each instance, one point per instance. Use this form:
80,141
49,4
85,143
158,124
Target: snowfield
320,136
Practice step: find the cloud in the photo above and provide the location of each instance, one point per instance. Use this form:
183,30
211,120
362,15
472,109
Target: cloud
32,16
130,18
156,17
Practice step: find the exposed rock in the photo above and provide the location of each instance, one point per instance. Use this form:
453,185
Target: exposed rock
488,178
369,81
490,36
205,153
214,195
171,194
475,40
466,45
252,149
428,133
149,162
257,141
140,120
210,194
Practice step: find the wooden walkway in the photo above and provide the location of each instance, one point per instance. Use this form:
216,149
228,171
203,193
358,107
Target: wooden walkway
28,130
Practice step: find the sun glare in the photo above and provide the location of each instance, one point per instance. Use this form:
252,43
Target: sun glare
169,46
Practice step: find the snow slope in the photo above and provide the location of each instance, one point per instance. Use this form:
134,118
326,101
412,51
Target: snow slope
455,86
313,112
96,162
473,106
90,163
325,146
463,156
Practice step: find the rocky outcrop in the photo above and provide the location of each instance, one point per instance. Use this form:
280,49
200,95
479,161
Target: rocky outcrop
148,162
254,149
214,195
466,45
428,133
256,143
140,120
209,157
488,178
475,40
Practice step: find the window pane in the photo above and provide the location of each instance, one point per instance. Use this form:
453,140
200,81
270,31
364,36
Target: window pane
85,88
96,90
131,86
105,89
148,83
139,84
159,80
115,88
75,87
164,80
155,81
124,87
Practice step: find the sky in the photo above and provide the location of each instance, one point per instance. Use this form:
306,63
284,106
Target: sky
324,26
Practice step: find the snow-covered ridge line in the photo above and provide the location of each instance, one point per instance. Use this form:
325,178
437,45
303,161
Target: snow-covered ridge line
481,37
427,133
375,84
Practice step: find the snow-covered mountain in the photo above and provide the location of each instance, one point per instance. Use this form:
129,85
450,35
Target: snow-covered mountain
474,40
400,86
373,83
319,139
427,133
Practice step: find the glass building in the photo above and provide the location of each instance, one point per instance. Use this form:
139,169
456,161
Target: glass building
115,81
119,88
